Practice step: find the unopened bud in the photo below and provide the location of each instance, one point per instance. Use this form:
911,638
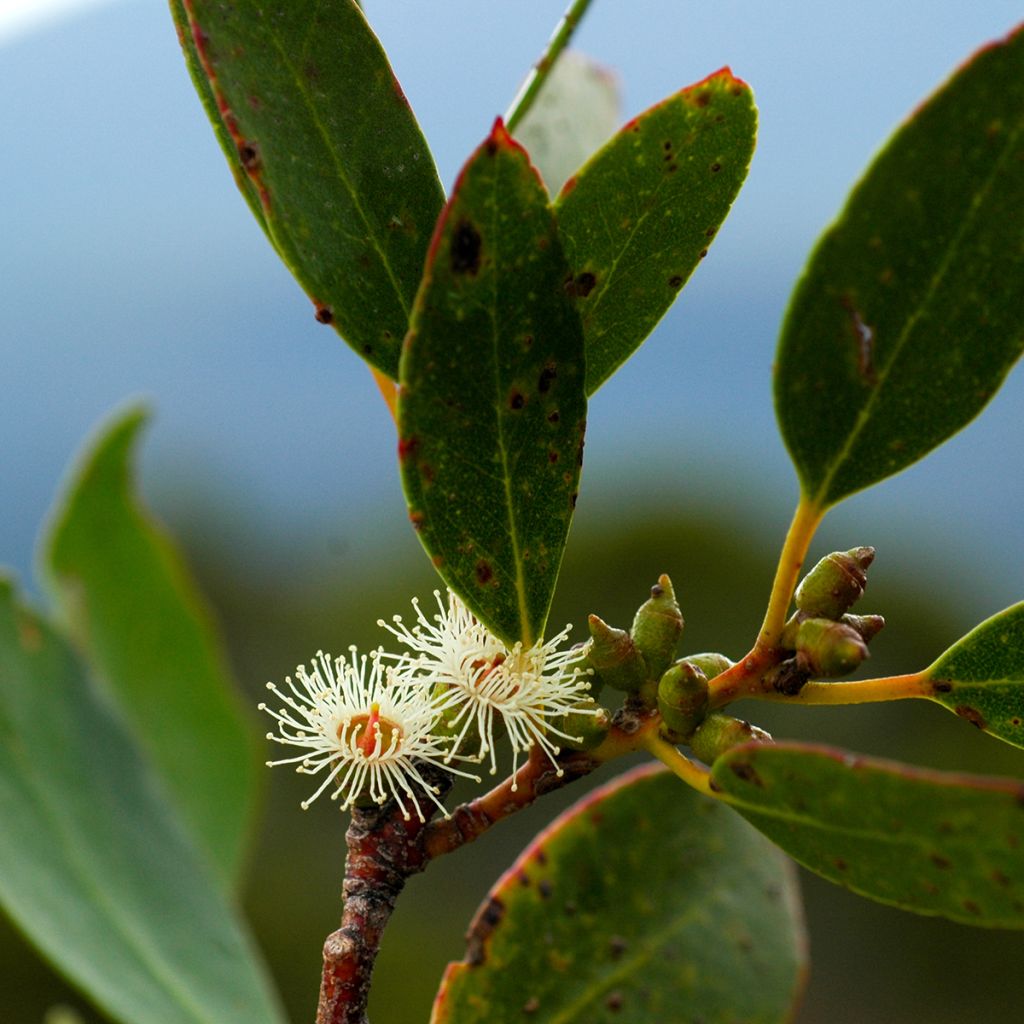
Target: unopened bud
613,656
830,648
683,697
710,663
657,627
583,728
719,733
869,626
835,584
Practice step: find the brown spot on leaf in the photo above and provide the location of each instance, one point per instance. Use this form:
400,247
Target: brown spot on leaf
711,232
716,167
675,282
941,686
702,99
249,154
417,519
840,864
614,1001
972,908
547,378
702,254
583,284
972,715
532,1005
745,770
407,447
617,945
1000,879
465,249
544,888
864,337
552,457
484,572
487,919
516,400
540,857
941,862
324,314
553,417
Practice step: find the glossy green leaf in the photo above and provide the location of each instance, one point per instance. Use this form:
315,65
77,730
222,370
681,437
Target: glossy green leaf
643,903
909,315
94,865
640,215
927,841
329,145
491,411
981,677
134,610
575,112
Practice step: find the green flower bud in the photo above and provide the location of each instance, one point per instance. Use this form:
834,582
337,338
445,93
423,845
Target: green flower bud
835,584
869,626
710,663
586,730
719,733
657,627
830,648
683,697
613,656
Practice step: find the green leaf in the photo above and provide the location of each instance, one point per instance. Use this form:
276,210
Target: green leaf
981,677
909,315
645,902
94,866
134,610
329,145
640,215
208,98
491,411
576,111
927,841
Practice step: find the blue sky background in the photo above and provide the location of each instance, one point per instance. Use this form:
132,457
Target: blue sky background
131,267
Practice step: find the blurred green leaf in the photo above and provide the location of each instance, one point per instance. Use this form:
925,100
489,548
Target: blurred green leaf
491,411
307,100
94,866
981,677
640,215
134,610
576,111
927,841
909,315
644,902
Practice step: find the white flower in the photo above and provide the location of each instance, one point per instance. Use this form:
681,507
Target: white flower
366,727
483,679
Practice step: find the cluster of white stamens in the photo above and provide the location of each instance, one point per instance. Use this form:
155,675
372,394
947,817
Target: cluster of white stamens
484,683
371,725
368,728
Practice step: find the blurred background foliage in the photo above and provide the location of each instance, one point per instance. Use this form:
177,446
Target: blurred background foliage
130,265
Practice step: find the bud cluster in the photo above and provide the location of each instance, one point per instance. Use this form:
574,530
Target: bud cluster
825,639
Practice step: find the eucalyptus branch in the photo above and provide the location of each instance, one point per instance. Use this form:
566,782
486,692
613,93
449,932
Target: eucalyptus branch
794,551
531,87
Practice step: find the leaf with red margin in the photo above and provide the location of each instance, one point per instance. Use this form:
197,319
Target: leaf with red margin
981,677
909,314
927,841
644,902
330,149
491,411
640,215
